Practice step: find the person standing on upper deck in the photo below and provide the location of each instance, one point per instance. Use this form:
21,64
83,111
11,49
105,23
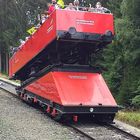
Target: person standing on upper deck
51,8
80,5
99,8
83,3
70,7
76,4
54,3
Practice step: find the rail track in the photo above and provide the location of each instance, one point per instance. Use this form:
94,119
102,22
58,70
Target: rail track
94,131
89,130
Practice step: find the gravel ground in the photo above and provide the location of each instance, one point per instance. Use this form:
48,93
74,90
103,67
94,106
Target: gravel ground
19,121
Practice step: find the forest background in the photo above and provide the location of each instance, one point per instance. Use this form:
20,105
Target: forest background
121,58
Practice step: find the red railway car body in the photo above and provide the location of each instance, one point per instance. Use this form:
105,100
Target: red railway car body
54,68
75,89
55,26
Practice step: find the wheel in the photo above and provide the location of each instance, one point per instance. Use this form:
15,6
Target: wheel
56,115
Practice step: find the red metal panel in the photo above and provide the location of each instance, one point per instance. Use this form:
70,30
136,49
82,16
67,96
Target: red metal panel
37,42
72,88
45,87
84,21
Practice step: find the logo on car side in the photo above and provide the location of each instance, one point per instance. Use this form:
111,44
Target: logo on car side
85,22
77,77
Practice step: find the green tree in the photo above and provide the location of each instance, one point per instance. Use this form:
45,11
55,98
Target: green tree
123,75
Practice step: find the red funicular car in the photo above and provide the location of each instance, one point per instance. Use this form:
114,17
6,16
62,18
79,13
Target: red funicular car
55,65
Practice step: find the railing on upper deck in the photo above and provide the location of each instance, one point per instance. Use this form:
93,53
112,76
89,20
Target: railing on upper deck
86,9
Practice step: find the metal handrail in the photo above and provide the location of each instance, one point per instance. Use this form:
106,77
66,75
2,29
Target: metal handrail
88,9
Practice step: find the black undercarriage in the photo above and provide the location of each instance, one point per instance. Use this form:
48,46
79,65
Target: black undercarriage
68,49
64,113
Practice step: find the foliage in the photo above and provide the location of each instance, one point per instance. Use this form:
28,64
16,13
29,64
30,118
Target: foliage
136,101
123,56
114,6
16,17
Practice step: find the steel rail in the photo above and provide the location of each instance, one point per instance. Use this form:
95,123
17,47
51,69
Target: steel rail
81,132
109,126
123,132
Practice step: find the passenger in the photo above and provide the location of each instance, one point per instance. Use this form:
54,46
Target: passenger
51,8
22,42
26,38
70,7
80,6
83,3
61,4
43,18
100,9
76,4
15,49
91,9
54,3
